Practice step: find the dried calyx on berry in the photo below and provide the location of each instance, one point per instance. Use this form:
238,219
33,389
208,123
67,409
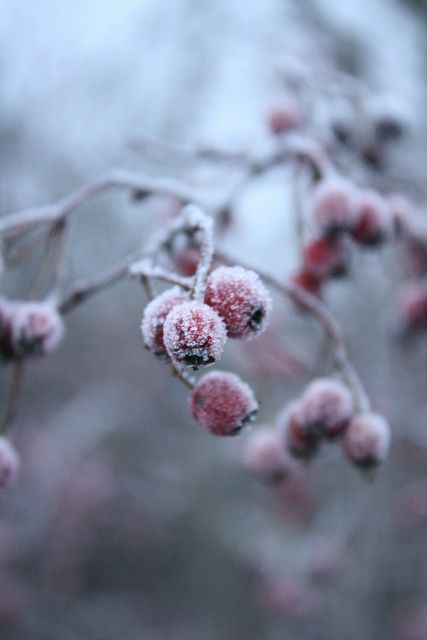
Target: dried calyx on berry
29,329
194,334
154,316
241,299
367,439
222,403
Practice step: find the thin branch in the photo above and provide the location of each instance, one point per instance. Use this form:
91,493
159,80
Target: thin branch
120,179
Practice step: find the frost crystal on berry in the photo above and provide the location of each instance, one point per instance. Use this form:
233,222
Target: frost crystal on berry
35,329
373,221
222,403
241,299
155,314
194,334
333,205
367,440
9,463
326,407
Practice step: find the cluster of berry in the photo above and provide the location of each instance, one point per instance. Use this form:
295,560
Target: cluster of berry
341,210
192,334
324,413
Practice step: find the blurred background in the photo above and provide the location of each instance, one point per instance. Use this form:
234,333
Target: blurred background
128,520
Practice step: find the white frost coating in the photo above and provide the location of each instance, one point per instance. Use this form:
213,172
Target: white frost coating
194,334
328,403
197,219
334,202
241,299
367,439
36,328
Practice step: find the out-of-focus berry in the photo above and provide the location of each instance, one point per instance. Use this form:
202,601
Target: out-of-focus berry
326,407
222,403
366,441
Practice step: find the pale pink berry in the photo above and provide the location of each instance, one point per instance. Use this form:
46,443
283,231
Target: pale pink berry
9,463
222,403
373,220
194,335
283,117
288,598
412,304
326,407
241,299
36,328
265,456
154,316
300,440
324,258
366,441
333,205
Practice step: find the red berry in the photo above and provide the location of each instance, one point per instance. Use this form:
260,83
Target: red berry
194,335
367,440
324,258
9,463
300,441
155,314
222,403
374,222
413,305
265,456
308,281
241,299
326,407
283,117
333,205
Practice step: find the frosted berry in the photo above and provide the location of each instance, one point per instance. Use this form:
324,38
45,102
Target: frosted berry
241,299
324,258
283,117
333,205
35,329
222,403
194,335
301,441
367,440
265,456
326,407
373,222
9,463
307,281
154,316
412,305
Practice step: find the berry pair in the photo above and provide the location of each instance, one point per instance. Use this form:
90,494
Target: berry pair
325,412
192,333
